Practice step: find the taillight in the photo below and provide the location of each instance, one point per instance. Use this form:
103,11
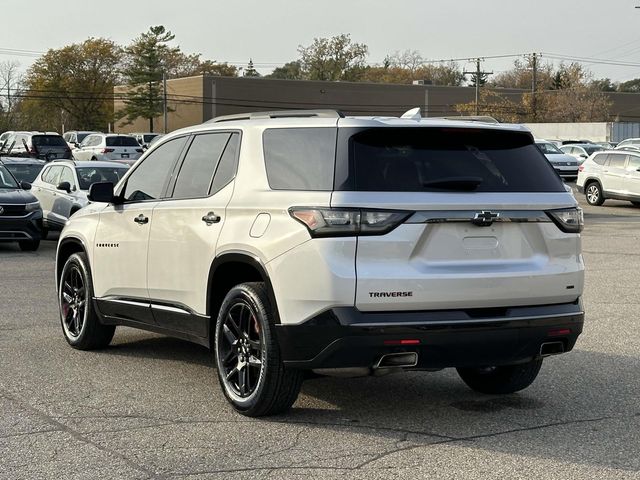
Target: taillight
108,150
569,220
347,222
581,168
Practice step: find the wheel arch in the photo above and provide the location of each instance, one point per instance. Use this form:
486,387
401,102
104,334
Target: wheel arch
230,269
590,180
67,247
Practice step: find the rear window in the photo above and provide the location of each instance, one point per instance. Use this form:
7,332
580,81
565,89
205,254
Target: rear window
24,172
87,176
48,141
300,158
122,142
445,159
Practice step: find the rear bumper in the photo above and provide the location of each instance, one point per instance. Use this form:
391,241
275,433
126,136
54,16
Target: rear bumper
15,229
348,338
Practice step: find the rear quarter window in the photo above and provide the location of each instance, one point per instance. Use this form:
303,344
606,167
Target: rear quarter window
300,158
443,159
600,159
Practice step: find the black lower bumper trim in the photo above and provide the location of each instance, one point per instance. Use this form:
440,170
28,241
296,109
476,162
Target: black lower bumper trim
347,338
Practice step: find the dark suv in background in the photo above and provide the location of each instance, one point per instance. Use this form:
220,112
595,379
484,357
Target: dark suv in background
44,146
20,212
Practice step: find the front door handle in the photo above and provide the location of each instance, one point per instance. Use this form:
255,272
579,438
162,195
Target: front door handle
211,218
141,219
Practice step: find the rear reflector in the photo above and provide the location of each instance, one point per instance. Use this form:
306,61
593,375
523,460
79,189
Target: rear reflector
402,342
561,332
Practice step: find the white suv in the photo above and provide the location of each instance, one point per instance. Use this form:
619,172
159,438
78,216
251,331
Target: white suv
109,147
296,241
614,174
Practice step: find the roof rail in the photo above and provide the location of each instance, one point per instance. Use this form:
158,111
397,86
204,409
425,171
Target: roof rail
473,118
279,114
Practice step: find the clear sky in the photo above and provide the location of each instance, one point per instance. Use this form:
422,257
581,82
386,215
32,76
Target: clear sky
269,31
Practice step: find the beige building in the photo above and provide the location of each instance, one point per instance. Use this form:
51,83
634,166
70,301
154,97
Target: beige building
194,100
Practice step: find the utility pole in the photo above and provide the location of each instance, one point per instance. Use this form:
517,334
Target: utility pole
165,110
534,84
478,74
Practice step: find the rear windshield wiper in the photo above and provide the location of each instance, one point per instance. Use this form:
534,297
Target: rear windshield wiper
465,184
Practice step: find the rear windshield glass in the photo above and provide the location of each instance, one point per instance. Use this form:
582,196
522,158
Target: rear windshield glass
24,172
448,159
48,141
87,176
549,149
122,142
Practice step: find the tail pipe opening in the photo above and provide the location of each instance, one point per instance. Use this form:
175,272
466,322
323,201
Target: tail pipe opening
551,348
397,360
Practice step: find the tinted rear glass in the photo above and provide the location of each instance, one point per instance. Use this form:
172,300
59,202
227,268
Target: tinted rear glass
87,176
122,142
447,159
24,173
300,158
48,141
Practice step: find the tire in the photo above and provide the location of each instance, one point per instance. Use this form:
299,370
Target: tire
44,233
501,380
636,204
593,194
29,245
80,324
250,370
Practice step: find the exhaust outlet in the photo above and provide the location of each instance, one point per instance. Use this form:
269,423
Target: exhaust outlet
397,360
551,348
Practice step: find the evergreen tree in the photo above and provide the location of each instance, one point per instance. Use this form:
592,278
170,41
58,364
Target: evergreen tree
144,68
250,70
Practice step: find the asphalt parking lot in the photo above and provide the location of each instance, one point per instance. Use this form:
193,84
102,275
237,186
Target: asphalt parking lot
150,406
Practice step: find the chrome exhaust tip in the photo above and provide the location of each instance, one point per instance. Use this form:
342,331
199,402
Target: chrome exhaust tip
397,360
551,348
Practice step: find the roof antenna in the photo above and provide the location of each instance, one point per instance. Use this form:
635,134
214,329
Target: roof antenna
413,114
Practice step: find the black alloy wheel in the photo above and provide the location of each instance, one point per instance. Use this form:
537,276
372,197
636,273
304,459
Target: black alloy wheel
81,325
252,375
73,302
241,349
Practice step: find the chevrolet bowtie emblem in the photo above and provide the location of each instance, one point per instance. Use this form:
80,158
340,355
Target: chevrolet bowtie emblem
485,218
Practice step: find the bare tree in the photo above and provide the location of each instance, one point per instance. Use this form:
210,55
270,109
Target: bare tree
11,83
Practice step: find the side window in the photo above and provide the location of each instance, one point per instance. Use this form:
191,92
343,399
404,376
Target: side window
617,160
300,158
199,165
87,141
148,180
600,159
228,165
51,177
67,176
634,163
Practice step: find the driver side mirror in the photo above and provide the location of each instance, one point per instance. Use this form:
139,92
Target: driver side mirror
65,186
102,192
582,155
25,185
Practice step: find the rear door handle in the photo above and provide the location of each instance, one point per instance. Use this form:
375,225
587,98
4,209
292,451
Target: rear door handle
141,219
211,218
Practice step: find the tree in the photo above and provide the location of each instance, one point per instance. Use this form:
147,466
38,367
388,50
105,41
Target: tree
289,71
250,71
145,64
448,74
11,82
495,105
631,86
521,76
76,81
410,60
178,64
604,85
483,79
333,59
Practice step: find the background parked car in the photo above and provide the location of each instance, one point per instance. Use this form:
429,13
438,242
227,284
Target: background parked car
581,151
565,165
144,139
24,169
45,146
62,188
108,147
20,212
613,174
629,142
75,138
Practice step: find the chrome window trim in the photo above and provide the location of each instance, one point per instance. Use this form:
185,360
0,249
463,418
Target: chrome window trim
461,216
